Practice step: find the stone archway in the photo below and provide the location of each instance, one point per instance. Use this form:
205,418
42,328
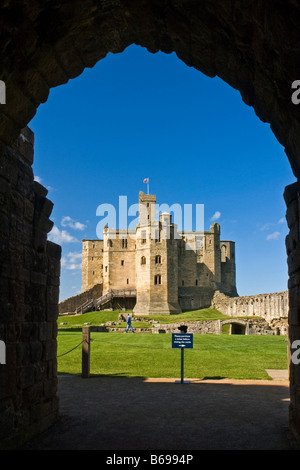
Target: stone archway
236,327
253,46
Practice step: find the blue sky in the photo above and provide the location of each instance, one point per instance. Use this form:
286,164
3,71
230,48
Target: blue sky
137,115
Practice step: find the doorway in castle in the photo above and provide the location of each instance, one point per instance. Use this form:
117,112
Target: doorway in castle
154,117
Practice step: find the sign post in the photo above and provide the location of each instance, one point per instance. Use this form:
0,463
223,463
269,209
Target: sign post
86,341
182,341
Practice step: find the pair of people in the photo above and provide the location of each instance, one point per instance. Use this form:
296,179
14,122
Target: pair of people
128,321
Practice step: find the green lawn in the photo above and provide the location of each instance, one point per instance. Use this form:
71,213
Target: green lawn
151,355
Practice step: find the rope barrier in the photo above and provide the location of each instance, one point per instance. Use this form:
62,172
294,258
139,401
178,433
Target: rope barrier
64,354
195,349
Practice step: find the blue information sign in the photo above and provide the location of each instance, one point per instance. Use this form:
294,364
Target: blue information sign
182,340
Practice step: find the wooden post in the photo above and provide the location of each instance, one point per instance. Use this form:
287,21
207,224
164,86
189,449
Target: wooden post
85,352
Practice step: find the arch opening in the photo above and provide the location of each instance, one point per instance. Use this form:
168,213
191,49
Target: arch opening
55,51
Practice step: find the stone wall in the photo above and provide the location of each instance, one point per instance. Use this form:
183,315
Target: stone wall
69,305
195,297
267,306
250,327
118,260
292,198
92,264
29,291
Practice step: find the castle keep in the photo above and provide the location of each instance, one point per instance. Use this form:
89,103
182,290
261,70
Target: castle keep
156,268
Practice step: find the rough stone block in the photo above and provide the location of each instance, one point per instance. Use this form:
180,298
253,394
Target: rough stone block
291,193
49,350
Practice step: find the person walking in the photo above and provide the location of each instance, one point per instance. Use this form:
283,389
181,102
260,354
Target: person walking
128,321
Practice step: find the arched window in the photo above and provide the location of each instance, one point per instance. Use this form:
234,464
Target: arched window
143,260
157,259
157,279
223,253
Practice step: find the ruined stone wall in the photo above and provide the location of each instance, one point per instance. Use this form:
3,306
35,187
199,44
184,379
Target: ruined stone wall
29,291
228,268
215,327
267,306
69,305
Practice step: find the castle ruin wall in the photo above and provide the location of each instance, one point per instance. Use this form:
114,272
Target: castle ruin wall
267,306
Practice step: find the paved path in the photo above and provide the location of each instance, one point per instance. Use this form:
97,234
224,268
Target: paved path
120,413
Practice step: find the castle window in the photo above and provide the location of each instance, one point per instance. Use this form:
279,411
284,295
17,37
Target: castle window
182,283
106,269
223,253
143,260
157,279
196,282
122,262
109,242
93,273
92,258
124,242
127,281
157,259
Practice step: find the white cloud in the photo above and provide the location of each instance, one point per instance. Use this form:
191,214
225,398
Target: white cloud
38,179
216,216
265,227
268,226
273,236
72,261
68,222
61,236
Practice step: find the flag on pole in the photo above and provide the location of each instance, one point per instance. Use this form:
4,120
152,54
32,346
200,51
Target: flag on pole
146,180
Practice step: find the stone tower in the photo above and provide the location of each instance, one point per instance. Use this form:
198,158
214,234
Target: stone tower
156,261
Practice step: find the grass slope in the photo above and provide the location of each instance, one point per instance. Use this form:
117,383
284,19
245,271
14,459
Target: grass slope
96,318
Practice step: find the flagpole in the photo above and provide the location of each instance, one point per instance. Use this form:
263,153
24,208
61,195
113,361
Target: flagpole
146,180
